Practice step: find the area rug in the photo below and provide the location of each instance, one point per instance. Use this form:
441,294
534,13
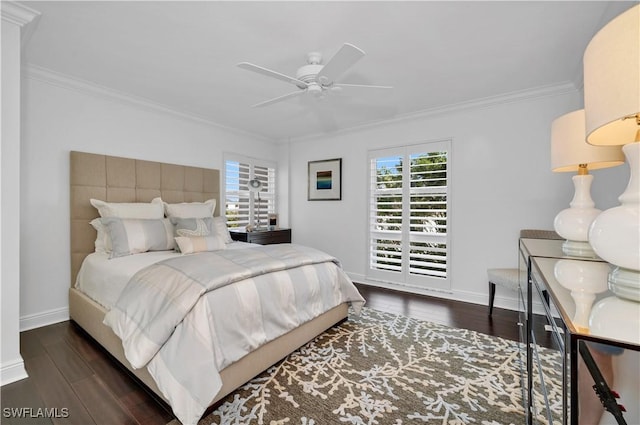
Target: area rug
380,368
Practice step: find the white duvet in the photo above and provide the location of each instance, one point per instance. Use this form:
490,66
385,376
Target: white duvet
103,279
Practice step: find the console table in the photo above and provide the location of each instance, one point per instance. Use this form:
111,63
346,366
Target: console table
547,400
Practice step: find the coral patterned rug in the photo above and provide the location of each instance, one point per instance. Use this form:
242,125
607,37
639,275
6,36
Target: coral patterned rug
381,368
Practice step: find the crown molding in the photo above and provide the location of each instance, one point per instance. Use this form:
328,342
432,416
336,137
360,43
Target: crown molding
487,102
65,81
16,13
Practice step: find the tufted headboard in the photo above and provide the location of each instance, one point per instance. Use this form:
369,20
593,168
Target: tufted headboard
115,179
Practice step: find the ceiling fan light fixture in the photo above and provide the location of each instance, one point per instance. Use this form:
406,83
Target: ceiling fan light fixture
315,89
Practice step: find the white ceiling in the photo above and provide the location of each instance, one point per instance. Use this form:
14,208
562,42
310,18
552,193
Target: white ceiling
183,54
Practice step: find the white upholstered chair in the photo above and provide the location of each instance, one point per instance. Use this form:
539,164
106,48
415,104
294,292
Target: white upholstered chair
507,278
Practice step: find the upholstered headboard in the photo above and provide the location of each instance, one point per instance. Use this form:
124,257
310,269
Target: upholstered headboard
115,179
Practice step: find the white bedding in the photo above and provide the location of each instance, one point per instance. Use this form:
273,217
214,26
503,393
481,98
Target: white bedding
224,324
103,279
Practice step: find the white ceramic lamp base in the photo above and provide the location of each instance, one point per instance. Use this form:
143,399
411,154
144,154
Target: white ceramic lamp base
617,318
578,249
615,233
573,223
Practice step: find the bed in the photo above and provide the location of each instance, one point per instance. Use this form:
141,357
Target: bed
123,180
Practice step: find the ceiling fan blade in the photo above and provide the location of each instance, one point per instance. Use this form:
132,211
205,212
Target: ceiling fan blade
364,86
346,57
278,99
270,73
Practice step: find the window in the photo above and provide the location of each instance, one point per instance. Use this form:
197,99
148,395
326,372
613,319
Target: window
408,215
241,205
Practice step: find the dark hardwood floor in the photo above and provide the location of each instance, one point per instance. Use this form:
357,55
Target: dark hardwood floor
70,373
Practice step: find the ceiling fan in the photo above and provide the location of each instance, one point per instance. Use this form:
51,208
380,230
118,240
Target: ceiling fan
315,78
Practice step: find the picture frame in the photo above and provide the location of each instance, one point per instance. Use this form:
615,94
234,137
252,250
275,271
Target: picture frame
325,180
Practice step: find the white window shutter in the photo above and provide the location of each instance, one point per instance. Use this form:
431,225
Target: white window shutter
408,215
241,205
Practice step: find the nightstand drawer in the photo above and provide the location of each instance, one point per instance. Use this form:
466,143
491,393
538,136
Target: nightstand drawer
262,237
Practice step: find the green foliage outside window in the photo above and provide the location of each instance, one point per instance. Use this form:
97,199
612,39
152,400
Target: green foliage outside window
428,211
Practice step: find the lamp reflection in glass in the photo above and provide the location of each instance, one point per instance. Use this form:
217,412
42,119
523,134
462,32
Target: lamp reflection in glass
255,186
616,318
571,153
612,113
584,279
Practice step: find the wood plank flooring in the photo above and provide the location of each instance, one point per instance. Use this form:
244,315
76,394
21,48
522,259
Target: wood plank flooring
70,372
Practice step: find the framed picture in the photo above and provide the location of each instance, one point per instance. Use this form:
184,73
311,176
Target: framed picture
325,180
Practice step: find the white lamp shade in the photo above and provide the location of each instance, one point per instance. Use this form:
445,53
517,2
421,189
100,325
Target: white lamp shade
612,81
569,148
254,185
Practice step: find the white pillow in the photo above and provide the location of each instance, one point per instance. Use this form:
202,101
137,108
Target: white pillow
132,236
188,209
220,226
128,209
200,244
102,242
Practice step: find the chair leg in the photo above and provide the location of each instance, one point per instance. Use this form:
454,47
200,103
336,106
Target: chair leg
545,295
492,294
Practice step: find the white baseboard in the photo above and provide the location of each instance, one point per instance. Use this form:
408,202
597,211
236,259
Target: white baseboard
12,371
44,318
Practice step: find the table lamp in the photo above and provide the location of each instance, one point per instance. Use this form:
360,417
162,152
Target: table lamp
255,186
571,153
612,114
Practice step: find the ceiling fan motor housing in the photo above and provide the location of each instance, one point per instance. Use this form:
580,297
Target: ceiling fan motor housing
308,73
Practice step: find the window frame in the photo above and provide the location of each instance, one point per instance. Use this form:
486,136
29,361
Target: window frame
406,237
267,194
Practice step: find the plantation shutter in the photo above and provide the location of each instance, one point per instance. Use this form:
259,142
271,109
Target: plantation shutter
408,215
267,204
241,205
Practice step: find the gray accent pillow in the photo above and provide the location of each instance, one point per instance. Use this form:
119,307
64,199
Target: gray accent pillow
132,236
192,227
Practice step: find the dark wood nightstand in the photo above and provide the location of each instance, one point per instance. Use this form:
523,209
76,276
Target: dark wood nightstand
262,237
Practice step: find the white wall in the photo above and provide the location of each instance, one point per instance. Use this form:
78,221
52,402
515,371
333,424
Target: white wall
500,183
57,120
